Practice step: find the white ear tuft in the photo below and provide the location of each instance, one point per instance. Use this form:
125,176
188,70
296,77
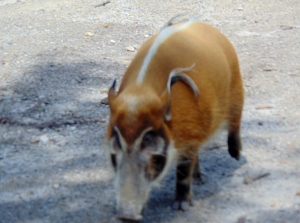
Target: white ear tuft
177,74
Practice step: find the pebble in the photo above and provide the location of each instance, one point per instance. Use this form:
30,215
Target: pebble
55,186
130,48
44,139
112,41
273,203
35,140
73,127
79,80
89,34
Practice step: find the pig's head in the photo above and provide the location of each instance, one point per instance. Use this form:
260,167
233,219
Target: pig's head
139,146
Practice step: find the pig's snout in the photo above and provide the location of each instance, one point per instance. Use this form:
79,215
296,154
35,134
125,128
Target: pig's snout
129,213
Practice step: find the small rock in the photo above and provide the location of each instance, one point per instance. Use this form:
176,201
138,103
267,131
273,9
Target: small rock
89,34
273,203
6,64
146,35
104,25
240,8
55,186
130,48
78,80
44,139
35,140
298,193
112,41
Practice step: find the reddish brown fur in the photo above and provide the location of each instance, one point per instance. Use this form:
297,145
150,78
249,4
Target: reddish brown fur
216,74
193,119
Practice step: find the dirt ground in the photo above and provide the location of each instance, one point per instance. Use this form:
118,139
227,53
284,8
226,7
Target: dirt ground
58,57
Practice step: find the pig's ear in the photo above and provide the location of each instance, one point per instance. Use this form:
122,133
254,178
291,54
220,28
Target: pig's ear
177,75
112,94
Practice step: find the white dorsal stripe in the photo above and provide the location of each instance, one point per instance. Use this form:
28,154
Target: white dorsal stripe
162,36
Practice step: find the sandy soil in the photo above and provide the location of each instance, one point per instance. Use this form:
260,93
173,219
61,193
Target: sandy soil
55,57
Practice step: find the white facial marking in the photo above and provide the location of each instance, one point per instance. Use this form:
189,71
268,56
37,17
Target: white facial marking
131,100
122,140
162,36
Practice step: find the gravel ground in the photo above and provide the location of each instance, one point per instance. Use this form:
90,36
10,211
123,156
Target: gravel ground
55,57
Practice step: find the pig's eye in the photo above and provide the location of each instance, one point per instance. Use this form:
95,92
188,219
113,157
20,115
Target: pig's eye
113,160
147,139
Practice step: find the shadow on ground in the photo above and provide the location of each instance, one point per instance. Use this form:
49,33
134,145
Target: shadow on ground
217,167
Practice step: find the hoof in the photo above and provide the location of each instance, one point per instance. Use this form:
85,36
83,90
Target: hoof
181,205
234,145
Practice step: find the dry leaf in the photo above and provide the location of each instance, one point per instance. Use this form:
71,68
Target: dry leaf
269,68
104,90
264,107
286,27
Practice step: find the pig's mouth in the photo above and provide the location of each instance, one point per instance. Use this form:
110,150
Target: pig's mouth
131,219
130,212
